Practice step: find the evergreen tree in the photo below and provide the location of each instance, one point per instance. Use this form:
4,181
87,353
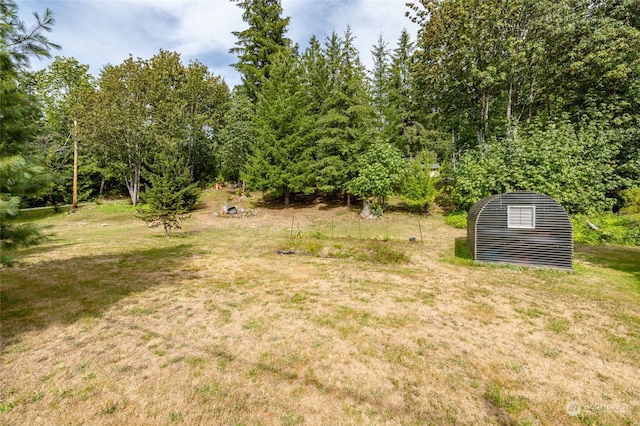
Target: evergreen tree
281,158
419,187
170,194
236,137
19,115
18,177
380,82
347,126
257,45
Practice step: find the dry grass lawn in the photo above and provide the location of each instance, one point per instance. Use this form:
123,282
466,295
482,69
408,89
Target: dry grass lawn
110,323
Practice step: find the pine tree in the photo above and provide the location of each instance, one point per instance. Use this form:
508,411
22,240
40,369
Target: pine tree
380,81
281,159
171,193
347,125
257,45
236,136
19,125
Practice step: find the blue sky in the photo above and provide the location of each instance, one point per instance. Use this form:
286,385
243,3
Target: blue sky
98,32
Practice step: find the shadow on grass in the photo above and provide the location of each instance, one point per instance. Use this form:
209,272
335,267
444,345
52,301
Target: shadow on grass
619,258
64,291
301,202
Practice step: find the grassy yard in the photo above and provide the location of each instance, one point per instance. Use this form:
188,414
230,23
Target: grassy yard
309,316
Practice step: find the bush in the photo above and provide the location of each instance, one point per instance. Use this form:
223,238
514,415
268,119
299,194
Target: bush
457,219
575,167
611,229
419,188
631,198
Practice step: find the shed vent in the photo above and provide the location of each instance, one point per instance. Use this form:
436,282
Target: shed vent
523,217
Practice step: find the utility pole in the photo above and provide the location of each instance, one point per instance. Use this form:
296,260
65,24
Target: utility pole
75,164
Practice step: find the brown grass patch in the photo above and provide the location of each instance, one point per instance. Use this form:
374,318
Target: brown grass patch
115,324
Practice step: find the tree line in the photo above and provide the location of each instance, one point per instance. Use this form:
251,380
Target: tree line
528,94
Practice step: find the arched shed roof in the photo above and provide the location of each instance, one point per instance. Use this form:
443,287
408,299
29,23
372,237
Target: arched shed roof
520,227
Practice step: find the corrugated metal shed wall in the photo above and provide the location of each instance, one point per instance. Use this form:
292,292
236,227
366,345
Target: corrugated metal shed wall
550,244
471,223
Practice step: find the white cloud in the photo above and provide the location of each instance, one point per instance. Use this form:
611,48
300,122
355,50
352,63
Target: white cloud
99,32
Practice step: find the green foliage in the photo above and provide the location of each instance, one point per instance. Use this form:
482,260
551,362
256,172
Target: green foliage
18,178
384,253
611,229
461,249
576,167
631,199
381,170
419,187
170,196
143,106
257,45
19,113
376,209
236,136
344,118
18,42
457,219
281,157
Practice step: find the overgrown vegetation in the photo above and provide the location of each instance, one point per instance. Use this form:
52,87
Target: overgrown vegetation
372,250
607,229
457,219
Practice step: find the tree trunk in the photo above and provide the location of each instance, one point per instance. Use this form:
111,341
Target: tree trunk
485,115
348,200
510,121
530,101
102,183
509,102
133,185
135,196
287,194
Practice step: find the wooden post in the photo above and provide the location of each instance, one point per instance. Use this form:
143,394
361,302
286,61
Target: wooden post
75,165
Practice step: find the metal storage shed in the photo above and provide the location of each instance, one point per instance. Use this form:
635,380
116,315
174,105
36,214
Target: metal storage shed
522,228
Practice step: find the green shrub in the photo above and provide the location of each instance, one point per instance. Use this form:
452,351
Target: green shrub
457,219
631,198
381,252
574,166
611,229
376,209
419,188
